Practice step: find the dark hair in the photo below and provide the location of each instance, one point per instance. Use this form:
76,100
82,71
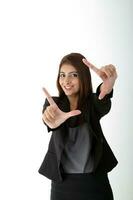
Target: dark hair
85,83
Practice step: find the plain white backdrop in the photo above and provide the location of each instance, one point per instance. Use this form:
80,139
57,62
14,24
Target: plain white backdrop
34,36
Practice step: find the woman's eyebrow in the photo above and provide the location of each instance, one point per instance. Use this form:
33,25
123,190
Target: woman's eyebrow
69,72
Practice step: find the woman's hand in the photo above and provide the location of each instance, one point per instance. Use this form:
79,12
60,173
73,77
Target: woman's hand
107,73
53,116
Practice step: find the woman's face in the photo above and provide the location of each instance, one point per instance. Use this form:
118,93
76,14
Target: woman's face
69,80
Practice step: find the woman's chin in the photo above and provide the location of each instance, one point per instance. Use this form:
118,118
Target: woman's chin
68,93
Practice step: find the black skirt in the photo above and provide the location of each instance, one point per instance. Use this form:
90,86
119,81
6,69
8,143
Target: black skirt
84,186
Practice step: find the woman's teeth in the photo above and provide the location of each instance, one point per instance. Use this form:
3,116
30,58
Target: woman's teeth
68,87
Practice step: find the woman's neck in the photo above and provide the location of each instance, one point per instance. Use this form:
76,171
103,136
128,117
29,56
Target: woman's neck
73,102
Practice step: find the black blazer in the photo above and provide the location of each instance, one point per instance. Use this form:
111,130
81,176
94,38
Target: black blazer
103,157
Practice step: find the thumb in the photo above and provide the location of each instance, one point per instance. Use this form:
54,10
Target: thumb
73,113
102,95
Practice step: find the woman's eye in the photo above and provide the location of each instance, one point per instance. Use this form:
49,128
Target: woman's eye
75,75
62,75
72,75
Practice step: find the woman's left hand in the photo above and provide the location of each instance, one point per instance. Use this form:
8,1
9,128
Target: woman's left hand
107,73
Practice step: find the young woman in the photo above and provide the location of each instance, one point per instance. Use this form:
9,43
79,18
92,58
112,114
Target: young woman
79,158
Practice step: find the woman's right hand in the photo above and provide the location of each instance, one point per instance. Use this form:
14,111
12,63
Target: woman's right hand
53,116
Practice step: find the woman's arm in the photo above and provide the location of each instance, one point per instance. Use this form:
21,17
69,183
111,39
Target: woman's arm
103,106
104,93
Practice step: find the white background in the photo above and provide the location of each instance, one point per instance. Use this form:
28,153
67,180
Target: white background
34,36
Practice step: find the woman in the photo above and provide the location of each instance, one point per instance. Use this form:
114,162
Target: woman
79,158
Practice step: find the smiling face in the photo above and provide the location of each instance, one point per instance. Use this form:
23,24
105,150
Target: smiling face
69,80
74,80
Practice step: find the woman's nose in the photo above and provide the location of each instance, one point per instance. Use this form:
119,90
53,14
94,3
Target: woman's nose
67,79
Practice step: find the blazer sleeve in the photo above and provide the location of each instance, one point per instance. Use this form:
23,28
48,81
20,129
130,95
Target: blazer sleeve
103,106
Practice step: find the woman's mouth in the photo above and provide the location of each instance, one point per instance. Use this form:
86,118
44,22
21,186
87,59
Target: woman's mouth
67,87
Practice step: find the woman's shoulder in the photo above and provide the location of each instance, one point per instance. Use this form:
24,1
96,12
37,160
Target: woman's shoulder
58,100
55,98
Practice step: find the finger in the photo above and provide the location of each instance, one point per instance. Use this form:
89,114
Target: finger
45,120
112,68
90,65
51,111
107,71
49,98
47,116
102,95
102,75
73,113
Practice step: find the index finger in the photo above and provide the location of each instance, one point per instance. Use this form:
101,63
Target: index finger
90,65
48,96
